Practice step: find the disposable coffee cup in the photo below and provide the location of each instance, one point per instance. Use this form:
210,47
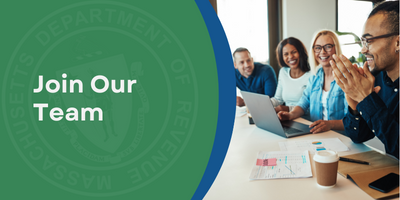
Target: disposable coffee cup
326,165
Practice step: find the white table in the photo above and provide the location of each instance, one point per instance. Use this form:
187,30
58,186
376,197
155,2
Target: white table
247,140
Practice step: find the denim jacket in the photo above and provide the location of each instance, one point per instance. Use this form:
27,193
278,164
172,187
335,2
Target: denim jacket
312,98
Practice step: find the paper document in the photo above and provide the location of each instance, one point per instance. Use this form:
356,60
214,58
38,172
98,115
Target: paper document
289,164
313,146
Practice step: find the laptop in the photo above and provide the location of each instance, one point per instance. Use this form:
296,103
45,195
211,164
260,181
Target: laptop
264,116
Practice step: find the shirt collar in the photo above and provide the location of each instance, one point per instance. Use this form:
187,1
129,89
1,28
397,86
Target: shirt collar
388,81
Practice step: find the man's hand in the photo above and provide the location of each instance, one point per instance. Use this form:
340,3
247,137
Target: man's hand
281,108
239,101
355,83
320,126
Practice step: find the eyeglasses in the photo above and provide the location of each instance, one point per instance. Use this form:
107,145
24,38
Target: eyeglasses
327,48
366,41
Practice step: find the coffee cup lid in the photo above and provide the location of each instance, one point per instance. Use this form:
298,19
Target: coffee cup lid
326,156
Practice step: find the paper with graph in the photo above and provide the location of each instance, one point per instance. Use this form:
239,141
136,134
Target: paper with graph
313,146
289,164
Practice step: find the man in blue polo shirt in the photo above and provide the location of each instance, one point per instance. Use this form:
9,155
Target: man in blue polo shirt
373,97
252,77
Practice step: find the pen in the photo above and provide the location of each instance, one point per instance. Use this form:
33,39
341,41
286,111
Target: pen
353,161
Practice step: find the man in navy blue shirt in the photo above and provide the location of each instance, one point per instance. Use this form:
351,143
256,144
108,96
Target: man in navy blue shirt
373,97
252,77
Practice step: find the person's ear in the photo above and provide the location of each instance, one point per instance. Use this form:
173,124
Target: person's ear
234,64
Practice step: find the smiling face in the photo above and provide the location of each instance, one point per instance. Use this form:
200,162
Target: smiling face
323,57
291,56
244,63
381,55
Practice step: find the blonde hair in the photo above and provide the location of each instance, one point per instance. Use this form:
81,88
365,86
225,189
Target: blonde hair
313,62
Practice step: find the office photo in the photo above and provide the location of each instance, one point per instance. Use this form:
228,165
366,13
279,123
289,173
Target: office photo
317,113
199,99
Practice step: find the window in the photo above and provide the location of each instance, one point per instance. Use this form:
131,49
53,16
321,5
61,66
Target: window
351,18
246,25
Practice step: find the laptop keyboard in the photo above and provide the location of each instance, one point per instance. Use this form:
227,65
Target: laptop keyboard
289,130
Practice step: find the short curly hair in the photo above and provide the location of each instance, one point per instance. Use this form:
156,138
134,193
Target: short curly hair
391,11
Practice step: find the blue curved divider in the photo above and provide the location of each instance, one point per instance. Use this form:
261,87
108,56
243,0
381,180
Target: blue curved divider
227,99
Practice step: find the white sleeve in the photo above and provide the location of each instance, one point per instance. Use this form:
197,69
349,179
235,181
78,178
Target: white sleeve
277,99
275,102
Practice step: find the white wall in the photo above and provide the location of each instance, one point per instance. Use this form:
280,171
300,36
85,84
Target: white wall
302,18
246,25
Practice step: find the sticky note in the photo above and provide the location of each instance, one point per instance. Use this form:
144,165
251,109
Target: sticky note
266,162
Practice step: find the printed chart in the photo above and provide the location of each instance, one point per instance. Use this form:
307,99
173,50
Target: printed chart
289,164
313,146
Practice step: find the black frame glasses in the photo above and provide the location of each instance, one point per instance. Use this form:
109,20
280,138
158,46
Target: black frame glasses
323,47
365,41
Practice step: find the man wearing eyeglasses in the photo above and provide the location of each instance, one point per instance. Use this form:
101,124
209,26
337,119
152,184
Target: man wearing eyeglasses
373,97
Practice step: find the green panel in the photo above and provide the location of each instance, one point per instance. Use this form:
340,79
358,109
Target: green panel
151,139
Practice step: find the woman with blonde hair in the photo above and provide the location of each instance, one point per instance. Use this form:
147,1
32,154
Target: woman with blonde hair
323,97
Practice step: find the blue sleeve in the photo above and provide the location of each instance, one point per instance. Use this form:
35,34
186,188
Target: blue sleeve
354,125
304,101
374,119
270,82
340,103
239,84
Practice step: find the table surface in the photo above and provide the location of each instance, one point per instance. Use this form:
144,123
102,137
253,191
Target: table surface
247,140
